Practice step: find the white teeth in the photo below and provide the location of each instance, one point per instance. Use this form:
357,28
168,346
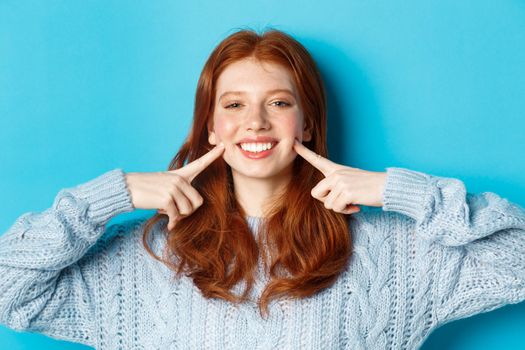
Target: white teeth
256,147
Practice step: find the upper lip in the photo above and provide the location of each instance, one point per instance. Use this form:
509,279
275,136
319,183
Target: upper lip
258,139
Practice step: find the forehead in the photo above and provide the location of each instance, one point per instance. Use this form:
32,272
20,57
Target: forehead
251,74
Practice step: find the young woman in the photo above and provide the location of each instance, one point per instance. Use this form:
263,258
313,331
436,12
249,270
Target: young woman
259,241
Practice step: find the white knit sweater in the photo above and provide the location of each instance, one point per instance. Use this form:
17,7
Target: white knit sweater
433,254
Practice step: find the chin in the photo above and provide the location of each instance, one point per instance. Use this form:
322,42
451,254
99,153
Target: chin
255,173
261,172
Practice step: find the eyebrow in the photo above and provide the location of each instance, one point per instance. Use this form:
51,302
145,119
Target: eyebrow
244,92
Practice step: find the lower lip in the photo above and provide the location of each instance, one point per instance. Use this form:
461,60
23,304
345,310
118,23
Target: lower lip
258,155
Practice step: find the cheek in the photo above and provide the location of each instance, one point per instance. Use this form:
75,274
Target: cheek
224,129
292,127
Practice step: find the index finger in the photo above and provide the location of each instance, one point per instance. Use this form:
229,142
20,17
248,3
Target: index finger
191,170
324,165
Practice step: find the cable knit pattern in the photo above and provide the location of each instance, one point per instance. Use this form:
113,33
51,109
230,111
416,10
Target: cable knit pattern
434,253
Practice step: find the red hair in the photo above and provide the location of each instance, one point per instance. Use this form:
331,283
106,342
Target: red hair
306,246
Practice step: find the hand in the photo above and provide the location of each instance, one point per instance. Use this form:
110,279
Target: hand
344,188
171,191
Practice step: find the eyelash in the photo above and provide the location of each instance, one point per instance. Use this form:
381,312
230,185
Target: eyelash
284,104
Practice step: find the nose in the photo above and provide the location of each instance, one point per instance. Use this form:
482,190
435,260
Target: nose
257,119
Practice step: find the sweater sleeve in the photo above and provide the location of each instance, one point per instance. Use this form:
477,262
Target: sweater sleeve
479,240
45,285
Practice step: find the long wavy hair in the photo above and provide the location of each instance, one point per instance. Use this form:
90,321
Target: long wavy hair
304,246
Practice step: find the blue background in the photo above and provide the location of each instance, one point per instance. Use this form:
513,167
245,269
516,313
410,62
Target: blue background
433,86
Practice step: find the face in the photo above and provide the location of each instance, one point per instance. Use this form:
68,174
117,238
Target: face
257,114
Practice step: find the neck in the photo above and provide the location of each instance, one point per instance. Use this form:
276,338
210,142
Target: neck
254,194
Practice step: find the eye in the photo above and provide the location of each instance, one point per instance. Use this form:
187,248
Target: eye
232,105
281,103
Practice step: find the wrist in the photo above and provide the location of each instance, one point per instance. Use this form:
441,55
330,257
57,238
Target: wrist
381,178
129,177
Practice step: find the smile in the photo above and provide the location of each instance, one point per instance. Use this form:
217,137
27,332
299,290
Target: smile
256,150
